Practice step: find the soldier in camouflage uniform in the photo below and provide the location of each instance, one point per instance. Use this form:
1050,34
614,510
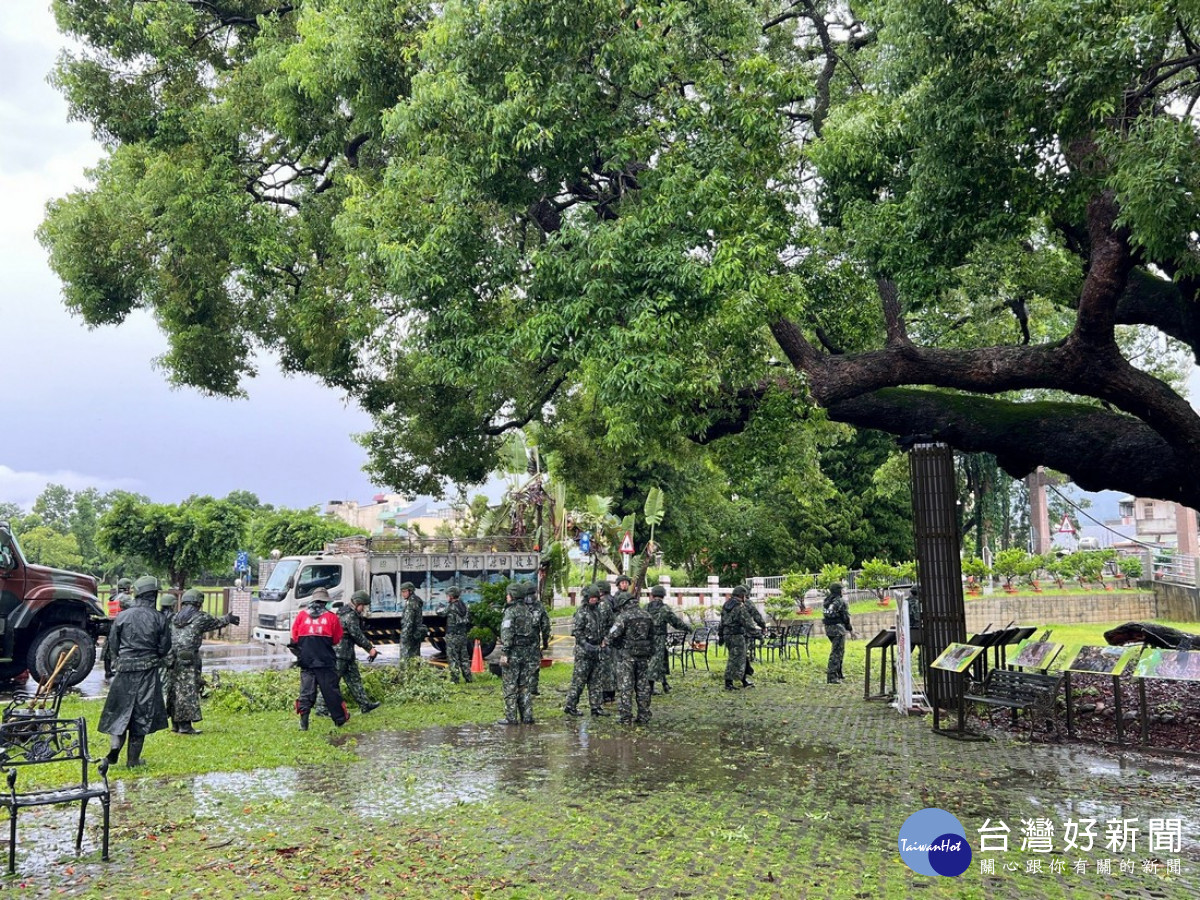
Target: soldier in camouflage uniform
837,624
187,634
632,636
608,658
351,615
167,603
761,624
412,623
124,600
543,629
663,617
736,625
520,655
587,626
458,646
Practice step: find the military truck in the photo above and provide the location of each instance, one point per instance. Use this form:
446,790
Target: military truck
44,614
379,566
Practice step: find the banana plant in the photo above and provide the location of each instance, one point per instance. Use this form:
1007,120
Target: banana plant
653,512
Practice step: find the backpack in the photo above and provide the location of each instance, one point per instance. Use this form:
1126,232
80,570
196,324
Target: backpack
639,635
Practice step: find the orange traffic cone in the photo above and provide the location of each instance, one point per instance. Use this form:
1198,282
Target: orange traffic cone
477,660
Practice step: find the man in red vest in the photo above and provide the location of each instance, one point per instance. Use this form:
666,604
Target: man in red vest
315,634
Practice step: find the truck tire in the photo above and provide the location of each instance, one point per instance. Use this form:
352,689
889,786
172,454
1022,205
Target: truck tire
46,647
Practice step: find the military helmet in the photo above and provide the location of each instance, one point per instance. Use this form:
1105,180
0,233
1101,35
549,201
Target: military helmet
518,589
124,584
408,586
605,588
590,591
167,600
624,577
740,591
193,597
658,591
835,588
453,592
360,598
145,585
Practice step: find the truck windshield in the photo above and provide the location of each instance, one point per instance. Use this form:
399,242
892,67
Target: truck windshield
284,570
313,577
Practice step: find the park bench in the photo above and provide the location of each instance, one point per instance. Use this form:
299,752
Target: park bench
1031,691
36,741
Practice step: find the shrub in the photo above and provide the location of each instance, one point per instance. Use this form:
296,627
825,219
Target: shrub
831,574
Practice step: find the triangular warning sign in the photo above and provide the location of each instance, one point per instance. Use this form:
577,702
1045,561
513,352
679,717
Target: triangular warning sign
627,544
1065,526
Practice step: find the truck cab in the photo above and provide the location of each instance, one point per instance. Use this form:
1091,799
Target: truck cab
289,586
46,614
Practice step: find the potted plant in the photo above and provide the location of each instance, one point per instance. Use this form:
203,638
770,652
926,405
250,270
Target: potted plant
1130,569
1009,565
791,597
831,574
1055,567
976,570
876,576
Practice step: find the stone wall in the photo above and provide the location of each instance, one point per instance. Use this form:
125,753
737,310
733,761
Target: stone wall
1176,602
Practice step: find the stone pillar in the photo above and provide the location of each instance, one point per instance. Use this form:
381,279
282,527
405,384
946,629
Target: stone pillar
1185,530
241,605
714,591
1039,513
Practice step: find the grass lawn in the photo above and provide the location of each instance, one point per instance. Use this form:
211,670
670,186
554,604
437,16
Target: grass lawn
796,789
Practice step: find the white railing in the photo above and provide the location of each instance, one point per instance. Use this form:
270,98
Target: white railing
1176,568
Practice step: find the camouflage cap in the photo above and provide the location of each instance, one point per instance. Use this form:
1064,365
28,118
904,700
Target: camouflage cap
193,597
145,585
740,591
658,591
453,592
408,586
360,598
124,584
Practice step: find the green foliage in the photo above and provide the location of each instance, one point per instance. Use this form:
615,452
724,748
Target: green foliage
488,611
831,574
878,575
295,531
47,547
276,690
976,568
1013,563
1131,566
178,541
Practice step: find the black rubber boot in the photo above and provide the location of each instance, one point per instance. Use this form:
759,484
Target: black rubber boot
115,743
304,721
370,705
571,711
729,685
600,711
747,683
666,687
186,728
134,757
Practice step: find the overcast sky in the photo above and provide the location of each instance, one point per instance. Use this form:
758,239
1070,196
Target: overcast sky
87,408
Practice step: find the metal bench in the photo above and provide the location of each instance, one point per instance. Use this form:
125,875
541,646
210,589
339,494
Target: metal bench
1031,691
33,741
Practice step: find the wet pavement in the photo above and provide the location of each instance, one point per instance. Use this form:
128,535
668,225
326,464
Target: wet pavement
802,782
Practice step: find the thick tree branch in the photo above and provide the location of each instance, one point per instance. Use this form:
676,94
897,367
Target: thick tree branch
1096,448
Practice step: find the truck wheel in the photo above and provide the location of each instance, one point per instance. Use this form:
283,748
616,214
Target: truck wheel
45,650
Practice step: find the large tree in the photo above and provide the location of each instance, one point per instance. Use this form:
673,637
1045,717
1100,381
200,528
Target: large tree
931,218
179,541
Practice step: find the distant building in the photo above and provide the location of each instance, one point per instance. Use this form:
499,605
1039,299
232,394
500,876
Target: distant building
396,515
1160,523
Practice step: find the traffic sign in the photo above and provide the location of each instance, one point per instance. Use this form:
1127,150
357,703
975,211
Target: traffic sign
243,562
1065,526
627,544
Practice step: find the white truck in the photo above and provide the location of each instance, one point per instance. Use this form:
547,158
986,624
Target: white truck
379,566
